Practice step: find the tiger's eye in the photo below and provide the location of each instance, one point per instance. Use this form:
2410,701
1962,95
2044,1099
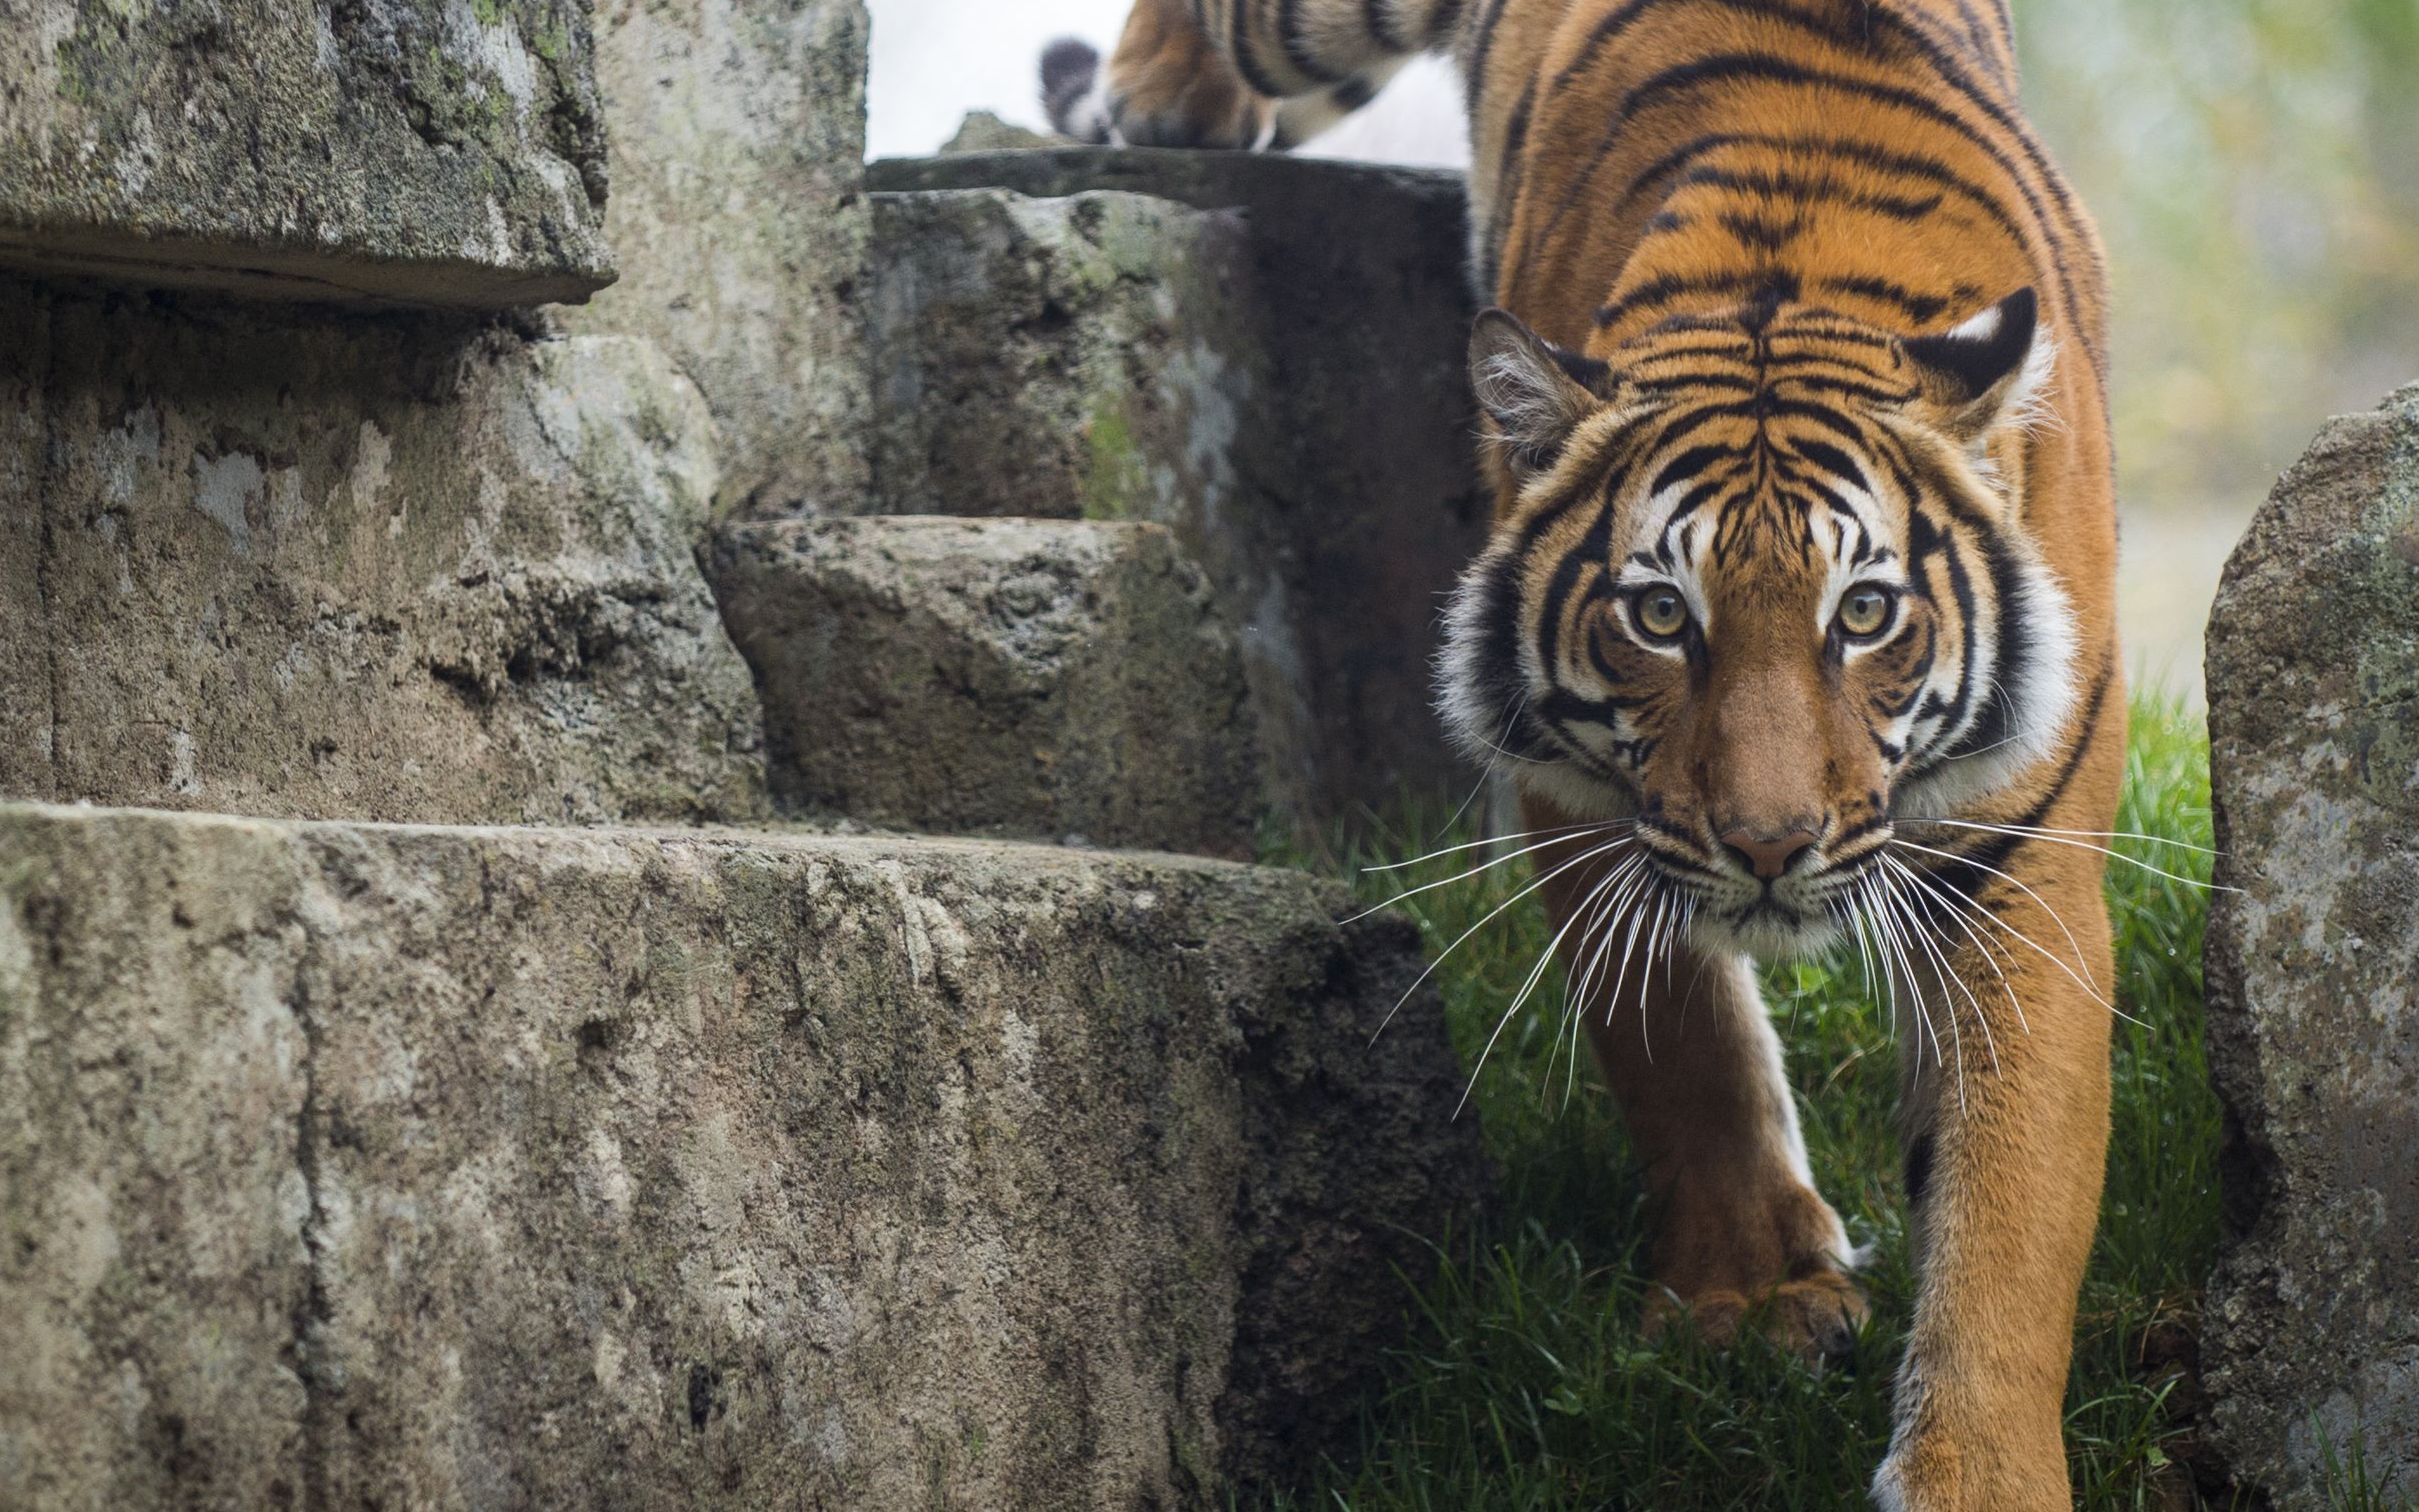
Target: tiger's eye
1864,612
1661,612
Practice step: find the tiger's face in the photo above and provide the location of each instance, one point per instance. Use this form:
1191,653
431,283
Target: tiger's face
1761,592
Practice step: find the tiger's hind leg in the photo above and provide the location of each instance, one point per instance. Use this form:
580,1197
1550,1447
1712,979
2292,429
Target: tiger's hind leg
1742,1241
1237,73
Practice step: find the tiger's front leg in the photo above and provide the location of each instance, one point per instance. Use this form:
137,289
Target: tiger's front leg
1742,1238
2005,1164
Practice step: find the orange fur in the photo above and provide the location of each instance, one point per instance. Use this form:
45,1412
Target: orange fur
1806,323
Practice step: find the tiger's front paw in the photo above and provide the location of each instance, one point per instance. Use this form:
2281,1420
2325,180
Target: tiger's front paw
1815,1317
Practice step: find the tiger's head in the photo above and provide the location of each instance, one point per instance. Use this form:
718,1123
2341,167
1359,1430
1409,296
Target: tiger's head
1763,589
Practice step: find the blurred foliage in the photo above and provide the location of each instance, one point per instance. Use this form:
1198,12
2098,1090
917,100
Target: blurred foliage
2254,167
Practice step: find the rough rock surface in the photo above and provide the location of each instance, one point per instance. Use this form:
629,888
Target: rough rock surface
410,567
2312,1322
1017,677
740,227
1082,357
511,1168
444,152
984,131
1301,416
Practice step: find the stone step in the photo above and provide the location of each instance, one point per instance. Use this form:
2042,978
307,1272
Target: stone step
614,1168
1263,353
409,569
400,150
1040,678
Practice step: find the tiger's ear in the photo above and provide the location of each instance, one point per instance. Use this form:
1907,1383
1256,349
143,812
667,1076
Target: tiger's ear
1535,392
1981,374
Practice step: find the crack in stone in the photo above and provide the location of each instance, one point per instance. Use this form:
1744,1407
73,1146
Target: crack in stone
45,548
312,1316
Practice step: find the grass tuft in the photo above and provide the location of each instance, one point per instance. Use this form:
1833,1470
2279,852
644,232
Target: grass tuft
1527,1385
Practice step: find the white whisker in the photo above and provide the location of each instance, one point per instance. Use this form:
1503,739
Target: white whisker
2035,829
1940,974
2053,837
1480,869
1950,897
2091,986
1492,914
1990,1041
1536,974
2090,990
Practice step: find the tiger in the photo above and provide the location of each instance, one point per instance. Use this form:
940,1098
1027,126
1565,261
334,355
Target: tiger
1794,625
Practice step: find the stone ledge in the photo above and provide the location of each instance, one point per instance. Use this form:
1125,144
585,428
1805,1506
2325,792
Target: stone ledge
412,151
617,1168
1039,678
405,568
1300,416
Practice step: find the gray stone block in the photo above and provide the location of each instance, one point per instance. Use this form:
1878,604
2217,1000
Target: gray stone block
424,151
1017,677
2312,1322
739,222
409,568
1295,406
519,1168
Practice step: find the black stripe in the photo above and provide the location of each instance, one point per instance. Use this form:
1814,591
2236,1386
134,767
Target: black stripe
1247,59
1732,67
1777,284
1613,24
1443,22
1298,51
1910,32
1995,850
1378,17
1922,309
1830,458
1919,1169
1687,465
1593,550
1476,83
1815,189
1498,677
1510,172
1352,94
1759,234
2014,651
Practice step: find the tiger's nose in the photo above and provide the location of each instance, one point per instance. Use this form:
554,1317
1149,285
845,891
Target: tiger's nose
1769,855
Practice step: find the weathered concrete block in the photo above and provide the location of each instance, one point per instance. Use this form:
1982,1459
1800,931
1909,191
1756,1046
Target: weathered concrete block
1017,677
1299,413
740,227
517,1168
445,152
153,1078
2312,1322
409,568
1087,357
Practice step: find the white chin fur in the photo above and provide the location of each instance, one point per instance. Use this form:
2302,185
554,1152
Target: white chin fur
1766,939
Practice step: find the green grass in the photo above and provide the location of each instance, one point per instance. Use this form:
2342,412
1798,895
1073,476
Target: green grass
1527,1385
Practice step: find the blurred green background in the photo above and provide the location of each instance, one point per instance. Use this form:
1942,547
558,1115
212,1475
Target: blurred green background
2254,166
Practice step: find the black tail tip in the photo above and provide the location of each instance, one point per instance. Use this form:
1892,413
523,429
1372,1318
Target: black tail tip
1069,65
